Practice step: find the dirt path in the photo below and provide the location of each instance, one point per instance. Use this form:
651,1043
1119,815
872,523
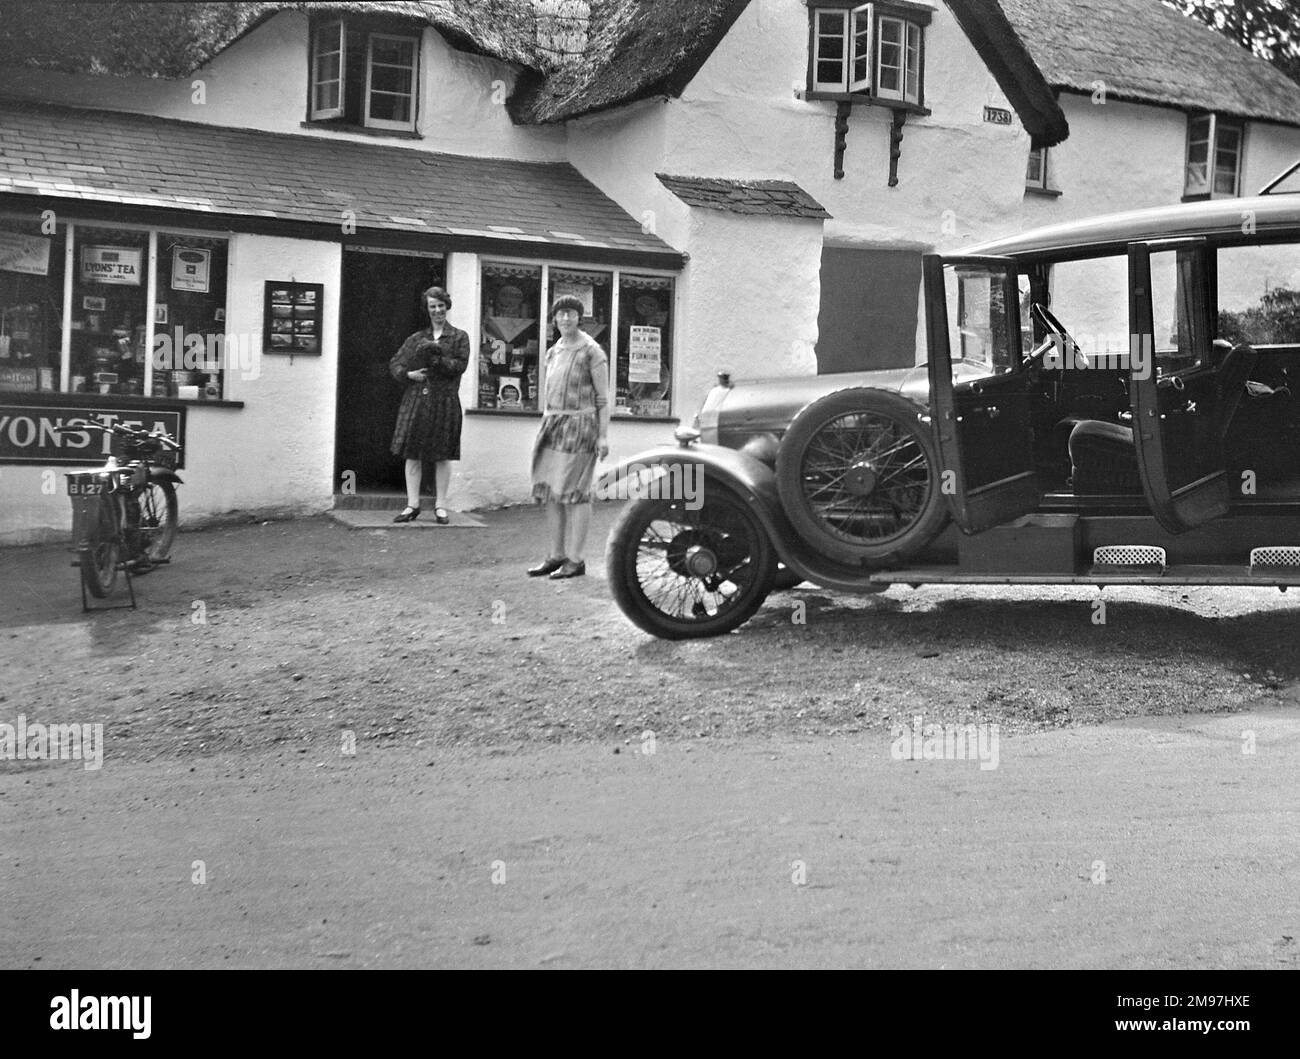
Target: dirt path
228,697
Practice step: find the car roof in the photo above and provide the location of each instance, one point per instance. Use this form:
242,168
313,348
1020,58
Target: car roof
1232,217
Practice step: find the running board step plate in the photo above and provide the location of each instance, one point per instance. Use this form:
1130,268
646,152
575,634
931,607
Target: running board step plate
1275,559
1129,558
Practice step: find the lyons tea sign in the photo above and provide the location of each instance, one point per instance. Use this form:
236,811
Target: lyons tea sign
28,432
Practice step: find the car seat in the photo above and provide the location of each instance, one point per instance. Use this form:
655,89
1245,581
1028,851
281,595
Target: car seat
1103,456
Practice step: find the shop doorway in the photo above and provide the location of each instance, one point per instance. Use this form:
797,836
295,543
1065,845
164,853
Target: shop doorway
380,307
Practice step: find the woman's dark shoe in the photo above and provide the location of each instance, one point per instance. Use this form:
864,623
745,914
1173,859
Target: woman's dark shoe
440,516
409,514
547,567
569,569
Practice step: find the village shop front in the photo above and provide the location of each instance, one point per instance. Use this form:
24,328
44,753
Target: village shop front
245,318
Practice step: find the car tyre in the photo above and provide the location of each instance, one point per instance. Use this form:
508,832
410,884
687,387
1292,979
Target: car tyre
683,574
858,477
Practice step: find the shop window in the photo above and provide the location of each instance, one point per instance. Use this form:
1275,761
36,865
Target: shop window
31,305
596,292
643,366
509,363
192,347
361,76
1214,149
874,51
108,310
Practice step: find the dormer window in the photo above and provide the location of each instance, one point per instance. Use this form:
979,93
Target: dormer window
874,52
1213,157
364,74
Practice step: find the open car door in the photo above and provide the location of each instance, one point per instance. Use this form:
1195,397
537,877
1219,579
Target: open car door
1177,393
981,393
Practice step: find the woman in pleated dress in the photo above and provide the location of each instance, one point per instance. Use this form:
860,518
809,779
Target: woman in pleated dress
573,436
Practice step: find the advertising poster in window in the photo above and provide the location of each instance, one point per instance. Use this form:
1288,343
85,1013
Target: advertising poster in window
644,354
191,269
584,292
117,265
28,254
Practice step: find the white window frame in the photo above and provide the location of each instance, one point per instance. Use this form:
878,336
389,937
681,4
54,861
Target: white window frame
1212,157
905,70
320,113
384,123
850,19
1041,181
543,321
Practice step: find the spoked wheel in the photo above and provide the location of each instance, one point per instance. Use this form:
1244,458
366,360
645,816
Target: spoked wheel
158,519
681,574
858,478
100,556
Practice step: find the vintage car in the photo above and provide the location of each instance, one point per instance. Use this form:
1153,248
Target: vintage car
1141,430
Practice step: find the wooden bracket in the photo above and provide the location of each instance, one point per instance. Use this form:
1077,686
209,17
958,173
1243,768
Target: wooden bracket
896,144
842,109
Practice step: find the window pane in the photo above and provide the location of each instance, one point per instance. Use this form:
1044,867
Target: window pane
1034,172
861,46
390,79
509,360
1090,298
385,107
393,52
831,54
191,344
978,324
327,96
108,307
913,89
1173,304
643,375
1259,294
31,305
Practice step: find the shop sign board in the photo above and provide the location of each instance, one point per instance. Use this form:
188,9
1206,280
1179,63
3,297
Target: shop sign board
27,432
191,269
644,346
118,265
28,254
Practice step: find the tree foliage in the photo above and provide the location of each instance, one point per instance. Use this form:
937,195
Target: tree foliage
1269,28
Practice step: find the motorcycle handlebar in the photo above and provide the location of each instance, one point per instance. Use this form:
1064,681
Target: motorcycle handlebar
121,429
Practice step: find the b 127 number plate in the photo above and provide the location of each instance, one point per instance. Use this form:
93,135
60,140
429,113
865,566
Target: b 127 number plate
86,488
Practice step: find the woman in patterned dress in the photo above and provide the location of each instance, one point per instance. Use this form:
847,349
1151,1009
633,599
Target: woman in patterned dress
574,434
429,418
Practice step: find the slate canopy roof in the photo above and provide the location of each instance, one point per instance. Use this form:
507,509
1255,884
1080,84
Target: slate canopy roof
133,160
773,198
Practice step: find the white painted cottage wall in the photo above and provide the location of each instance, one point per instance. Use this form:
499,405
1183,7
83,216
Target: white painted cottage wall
260,82
740,117
274,455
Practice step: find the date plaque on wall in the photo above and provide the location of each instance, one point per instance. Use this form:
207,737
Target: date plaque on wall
997,116
292,320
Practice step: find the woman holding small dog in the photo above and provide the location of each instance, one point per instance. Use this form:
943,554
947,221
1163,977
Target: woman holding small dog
429,418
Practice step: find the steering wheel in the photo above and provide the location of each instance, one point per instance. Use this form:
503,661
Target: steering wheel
1057,335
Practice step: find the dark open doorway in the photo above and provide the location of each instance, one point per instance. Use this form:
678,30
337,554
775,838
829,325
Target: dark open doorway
380,307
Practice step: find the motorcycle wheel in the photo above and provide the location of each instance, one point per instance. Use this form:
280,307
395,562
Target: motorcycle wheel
681,574
99,558
158,519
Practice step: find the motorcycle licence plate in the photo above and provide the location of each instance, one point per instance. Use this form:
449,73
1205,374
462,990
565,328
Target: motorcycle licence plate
84,488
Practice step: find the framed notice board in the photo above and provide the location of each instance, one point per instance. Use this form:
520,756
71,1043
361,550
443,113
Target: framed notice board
293,314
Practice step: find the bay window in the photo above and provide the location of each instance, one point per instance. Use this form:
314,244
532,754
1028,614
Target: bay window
873,51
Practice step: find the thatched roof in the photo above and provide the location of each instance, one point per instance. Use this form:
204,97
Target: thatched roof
173,40
637,49
1146,52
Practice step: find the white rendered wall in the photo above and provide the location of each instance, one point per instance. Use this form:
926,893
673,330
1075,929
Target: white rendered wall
260,82
274,456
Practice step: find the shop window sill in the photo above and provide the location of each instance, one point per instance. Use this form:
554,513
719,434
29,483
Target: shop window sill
105,400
